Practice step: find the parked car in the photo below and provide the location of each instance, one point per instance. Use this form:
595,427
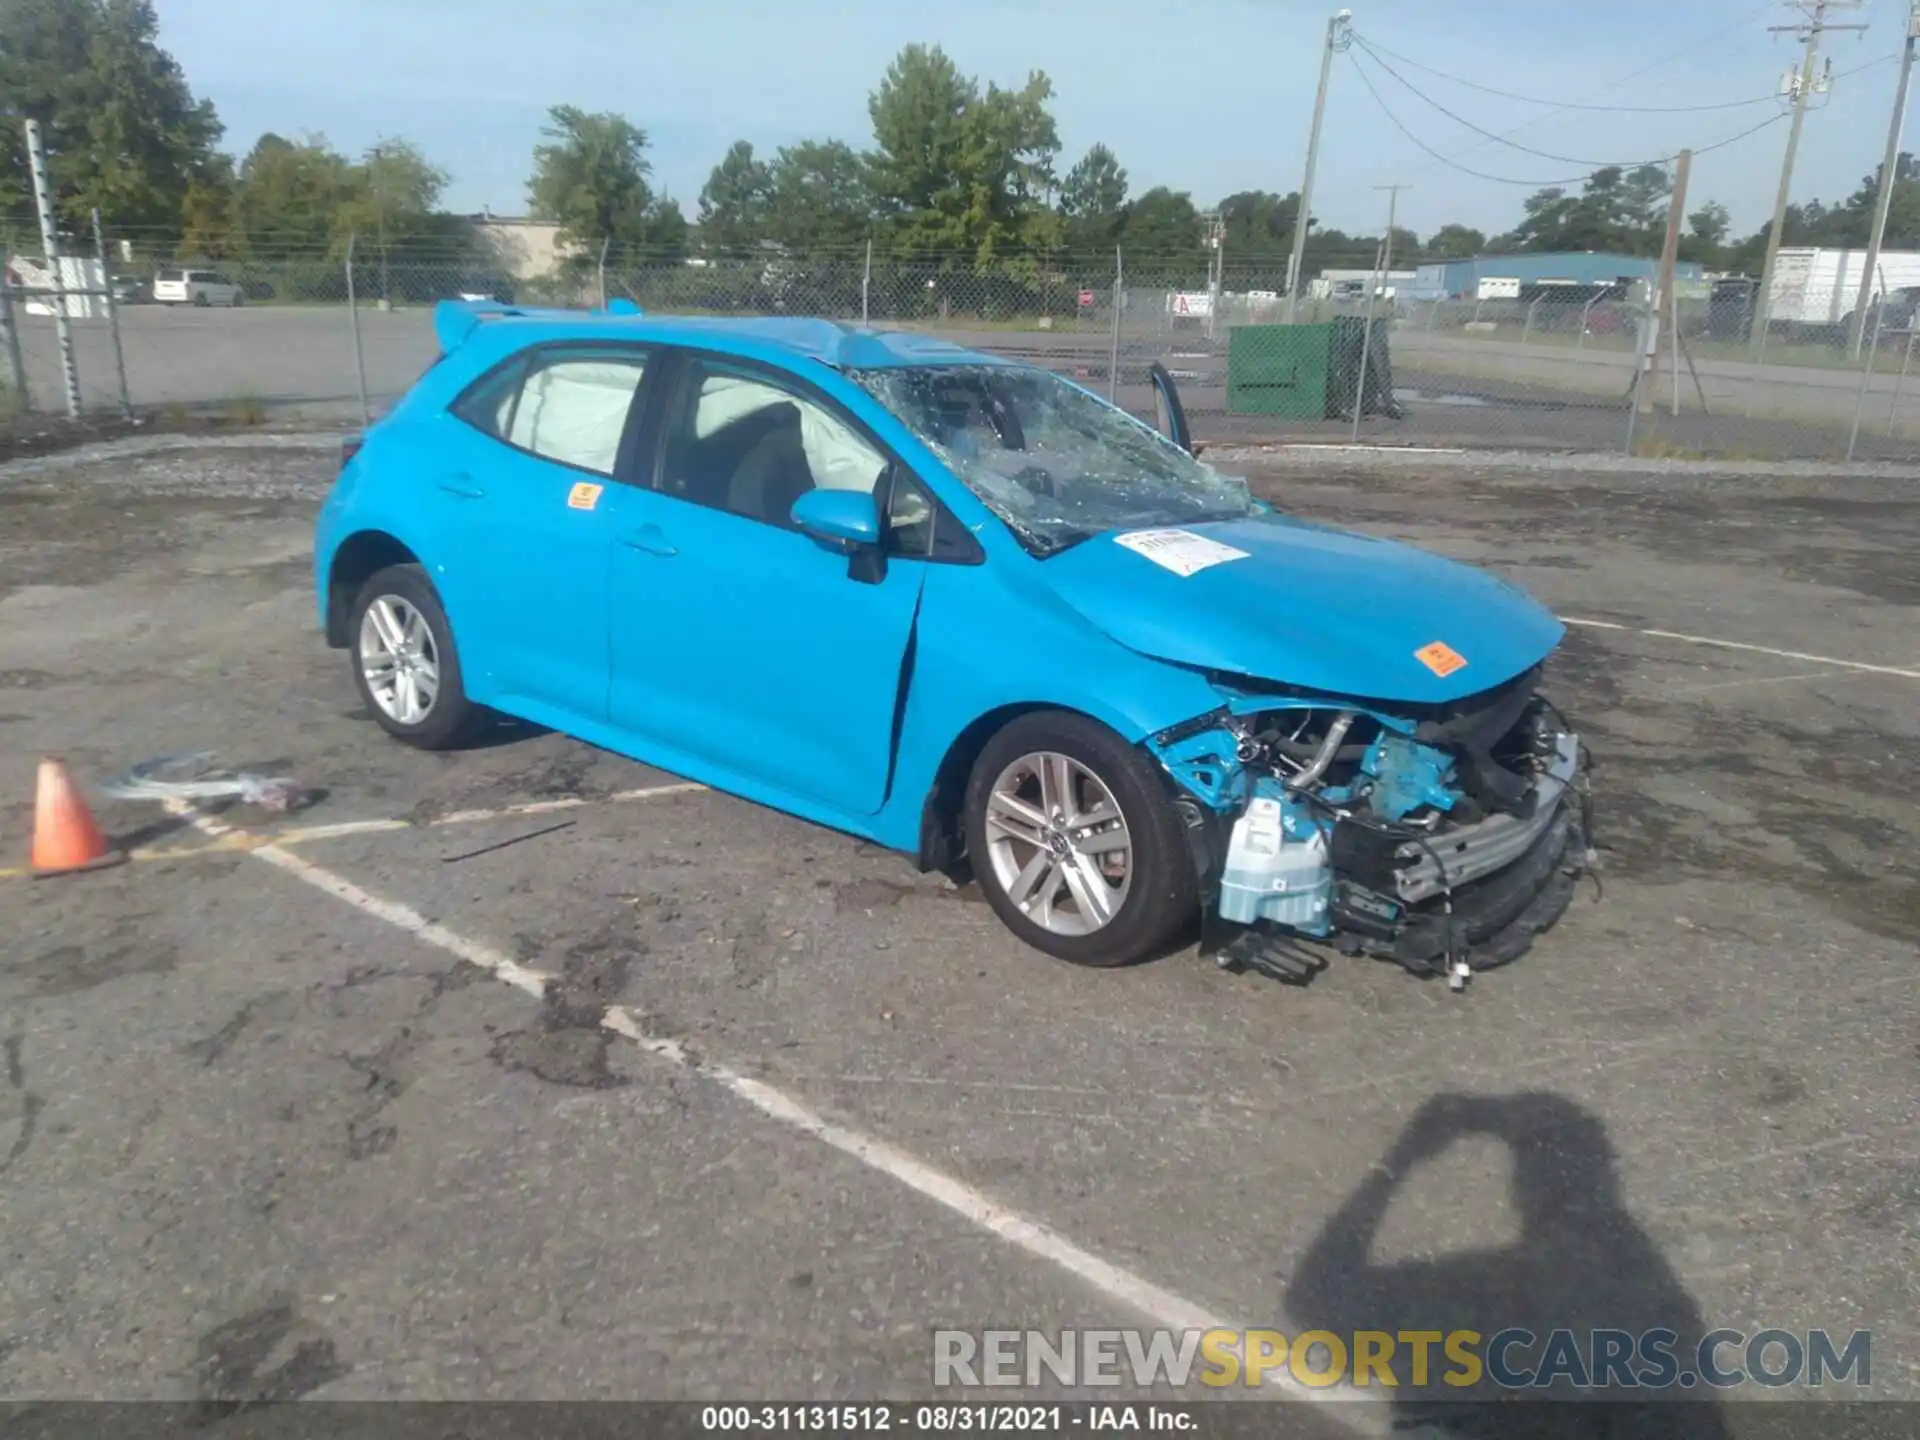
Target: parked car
196,287
963,607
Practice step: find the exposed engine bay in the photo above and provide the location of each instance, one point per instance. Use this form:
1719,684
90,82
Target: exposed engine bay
1441,837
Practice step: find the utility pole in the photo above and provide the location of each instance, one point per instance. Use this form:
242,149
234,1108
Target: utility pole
379,157
1339,37
1669,283
50,243
1812,28
1888,173
1385,263
1393,209
1216,266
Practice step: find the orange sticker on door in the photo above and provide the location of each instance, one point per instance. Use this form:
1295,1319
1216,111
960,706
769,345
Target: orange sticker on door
583,496
1442,659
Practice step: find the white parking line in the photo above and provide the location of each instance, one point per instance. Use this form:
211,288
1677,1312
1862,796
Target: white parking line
399,916
1152,1302
1860,665
232,840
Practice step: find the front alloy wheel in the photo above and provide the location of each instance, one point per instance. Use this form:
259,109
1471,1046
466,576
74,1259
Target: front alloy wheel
1075,841
1058,844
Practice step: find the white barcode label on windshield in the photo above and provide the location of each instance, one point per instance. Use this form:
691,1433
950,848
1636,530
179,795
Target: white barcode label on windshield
1180,551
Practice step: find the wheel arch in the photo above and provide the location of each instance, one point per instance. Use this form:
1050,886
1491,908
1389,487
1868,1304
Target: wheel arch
357,559
942,835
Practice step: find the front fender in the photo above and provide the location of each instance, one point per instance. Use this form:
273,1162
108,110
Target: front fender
984,649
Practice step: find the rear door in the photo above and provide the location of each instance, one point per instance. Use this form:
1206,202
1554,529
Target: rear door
525,483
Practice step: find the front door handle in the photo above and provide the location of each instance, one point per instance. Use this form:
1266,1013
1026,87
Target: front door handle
463,486
650,538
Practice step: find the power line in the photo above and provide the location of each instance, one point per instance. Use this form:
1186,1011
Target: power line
1453,164
1569,159
1378,50
1764,8
1457,119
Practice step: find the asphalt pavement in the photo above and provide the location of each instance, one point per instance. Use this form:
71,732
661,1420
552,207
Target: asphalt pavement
289,1122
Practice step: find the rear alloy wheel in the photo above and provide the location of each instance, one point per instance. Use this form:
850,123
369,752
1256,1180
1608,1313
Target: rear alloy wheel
405,664
1074,841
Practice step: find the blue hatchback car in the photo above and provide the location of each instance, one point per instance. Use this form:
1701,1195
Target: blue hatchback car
962,607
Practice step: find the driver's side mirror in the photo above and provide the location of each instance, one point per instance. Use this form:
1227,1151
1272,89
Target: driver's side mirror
839,517
848,522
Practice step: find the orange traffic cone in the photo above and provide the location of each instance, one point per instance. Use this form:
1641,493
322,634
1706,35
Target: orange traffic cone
65,837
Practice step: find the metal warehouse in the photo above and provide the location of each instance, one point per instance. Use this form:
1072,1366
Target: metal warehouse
1462,279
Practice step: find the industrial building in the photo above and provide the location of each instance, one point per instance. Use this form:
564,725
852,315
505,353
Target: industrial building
1494,277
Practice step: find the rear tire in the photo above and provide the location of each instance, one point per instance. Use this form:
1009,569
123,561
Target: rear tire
406,665
1064,880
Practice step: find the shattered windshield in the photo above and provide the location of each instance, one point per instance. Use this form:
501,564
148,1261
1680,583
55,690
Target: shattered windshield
1054,462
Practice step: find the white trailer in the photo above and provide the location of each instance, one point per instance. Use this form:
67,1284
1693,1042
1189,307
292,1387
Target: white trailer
1819,287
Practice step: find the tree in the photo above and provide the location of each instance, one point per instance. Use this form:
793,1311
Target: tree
1162,230
1457,242
667,231
1258,224
210,223
817,197
1093,200
123,131
1640,221
290,194
391,200
1706,237
734,201
955,170
1096,186
590,175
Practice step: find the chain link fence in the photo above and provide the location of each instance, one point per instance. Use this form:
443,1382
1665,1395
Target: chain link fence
329,337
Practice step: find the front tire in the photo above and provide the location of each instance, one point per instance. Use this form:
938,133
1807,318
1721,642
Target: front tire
405,663
1075,843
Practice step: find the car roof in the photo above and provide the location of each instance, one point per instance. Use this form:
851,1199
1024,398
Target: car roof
789,338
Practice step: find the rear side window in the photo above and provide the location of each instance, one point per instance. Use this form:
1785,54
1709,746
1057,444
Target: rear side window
567,405
168,277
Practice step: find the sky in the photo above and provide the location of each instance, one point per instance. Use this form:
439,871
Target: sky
1209,96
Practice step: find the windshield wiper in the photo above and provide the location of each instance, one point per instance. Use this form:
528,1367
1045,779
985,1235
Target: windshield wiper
1062,540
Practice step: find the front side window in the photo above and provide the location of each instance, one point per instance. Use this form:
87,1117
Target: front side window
1054,462
739,441
568,406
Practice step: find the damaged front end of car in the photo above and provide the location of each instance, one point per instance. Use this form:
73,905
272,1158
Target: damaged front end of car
1443,837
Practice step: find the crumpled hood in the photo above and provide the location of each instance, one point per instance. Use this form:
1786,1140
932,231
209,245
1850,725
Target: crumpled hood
1306,605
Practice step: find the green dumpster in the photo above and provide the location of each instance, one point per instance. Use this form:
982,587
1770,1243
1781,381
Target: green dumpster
1309,372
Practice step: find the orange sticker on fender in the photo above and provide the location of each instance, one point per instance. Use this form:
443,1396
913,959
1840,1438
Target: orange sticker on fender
583,496
1442,659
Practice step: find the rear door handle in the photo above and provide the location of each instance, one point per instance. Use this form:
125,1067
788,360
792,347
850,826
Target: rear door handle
650,538
463,486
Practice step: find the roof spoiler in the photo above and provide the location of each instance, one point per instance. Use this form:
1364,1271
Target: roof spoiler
454,321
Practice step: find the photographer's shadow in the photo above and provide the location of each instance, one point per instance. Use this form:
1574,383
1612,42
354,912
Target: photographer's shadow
1581,1263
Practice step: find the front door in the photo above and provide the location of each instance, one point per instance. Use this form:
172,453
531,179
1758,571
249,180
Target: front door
735,638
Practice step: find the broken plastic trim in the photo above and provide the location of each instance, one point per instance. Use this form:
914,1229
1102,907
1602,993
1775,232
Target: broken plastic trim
192,777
